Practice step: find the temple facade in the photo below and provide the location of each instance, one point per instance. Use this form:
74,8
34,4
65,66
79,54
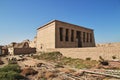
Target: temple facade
59,34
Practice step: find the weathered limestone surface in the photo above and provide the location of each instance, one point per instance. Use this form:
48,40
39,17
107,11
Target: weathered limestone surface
48,36
92,52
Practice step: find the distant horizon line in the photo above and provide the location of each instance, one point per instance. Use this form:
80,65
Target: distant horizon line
30,40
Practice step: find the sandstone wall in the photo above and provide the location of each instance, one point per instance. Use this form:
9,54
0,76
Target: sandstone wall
92,52
69,43
18,51
32,43
46,37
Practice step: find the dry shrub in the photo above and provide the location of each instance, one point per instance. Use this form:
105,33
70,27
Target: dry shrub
28,71
50,74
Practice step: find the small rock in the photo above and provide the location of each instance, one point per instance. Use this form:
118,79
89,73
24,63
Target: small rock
49,74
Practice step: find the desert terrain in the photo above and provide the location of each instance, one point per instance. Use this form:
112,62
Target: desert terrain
61,66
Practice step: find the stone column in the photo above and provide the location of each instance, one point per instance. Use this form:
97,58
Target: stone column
64,31
69,34
75,39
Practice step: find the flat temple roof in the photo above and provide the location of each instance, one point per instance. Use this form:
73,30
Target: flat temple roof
61,22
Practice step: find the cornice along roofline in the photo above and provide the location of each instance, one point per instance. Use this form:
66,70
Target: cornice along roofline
63,22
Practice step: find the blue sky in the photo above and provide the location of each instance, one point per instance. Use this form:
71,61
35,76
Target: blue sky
19,19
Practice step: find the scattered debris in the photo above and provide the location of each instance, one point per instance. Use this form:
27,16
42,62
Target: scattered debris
28,71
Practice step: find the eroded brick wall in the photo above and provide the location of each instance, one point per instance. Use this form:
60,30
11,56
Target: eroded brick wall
18,51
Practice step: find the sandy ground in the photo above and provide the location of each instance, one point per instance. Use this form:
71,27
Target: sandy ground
5,62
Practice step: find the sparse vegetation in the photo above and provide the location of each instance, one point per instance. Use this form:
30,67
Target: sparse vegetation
28,71
11,67
61,60
12,62
59,65
10,72
54,56
51,56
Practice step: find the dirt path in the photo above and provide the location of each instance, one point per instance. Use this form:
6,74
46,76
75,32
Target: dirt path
5,62
33,62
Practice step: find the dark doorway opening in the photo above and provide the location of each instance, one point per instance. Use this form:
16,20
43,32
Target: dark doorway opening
78,36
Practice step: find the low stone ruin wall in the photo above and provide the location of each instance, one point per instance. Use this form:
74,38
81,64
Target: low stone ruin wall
91,52
18,51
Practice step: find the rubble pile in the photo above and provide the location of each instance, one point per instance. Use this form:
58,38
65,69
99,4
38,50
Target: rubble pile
48,72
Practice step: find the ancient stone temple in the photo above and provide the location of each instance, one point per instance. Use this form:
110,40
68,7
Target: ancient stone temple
58,34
